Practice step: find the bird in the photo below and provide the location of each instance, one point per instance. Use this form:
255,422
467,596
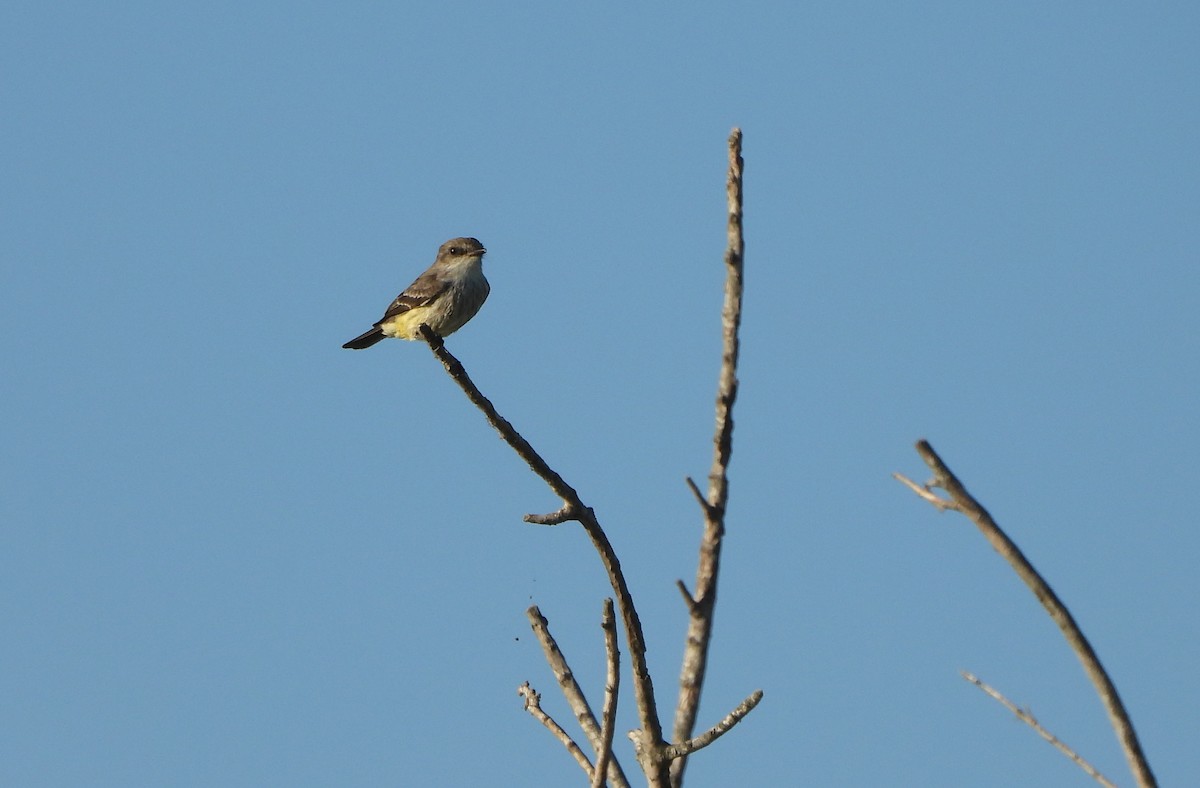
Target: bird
445,297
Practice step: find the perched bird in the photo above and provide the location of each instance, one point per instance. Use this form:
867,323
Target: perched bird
444,298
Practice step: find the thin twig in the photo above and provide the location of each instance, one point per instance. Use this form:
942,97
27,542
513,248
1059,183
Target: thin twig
1117,714
688,599
574,509
1027,717
608,715
716,731
533,705
929,495
699,496
700,615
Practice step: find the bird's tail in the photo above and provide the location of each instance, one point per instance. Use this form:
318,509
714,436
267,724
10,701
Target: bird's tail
365,340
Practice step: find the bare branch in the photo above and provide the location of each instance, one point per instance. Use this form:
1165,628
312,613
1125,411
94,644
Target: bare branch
716,731
688,599
564,675
573,692
1118,716
1025,716
699,496
927,494
507,432
609,715
567,512
533,705
574,509
700,619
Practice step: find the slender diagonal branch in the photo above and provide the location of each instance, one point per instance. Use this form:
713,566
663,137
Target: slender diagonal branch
608,715
574,509
962,501
1027,717
571,689
700,614
533,705
715,732
526,452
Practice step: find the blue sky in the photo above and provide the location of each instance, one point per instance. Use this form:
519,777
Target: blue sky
236,554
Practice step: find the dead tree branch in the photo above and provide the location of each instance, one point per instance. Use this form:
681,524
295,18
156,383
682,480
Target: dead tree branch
962,501
716,731
663,765
702,604
608,715
533,705
1026,716
574,509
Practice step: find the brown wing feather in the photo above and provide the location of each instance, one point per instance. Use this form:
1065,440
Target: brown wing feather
422,292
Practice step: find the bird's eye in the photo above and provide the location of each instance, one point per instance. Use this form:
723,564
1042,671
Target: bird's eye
455,250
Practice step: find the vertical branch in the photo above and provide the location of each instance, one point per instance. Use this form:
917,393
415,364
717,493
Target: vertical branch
962,501
612,685
702,604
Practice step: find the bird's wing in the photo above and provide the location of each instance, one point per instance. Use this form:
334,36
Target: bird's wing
427,289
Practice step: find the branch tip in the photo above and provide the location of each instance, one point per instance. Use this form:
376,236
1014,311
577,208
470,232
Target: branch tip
715,732
699,496
566,513
926,492
533,705
688,599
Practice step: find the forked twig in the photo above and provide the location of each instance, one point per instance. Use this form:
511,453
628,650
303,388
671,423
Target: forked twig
533,705
574,693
